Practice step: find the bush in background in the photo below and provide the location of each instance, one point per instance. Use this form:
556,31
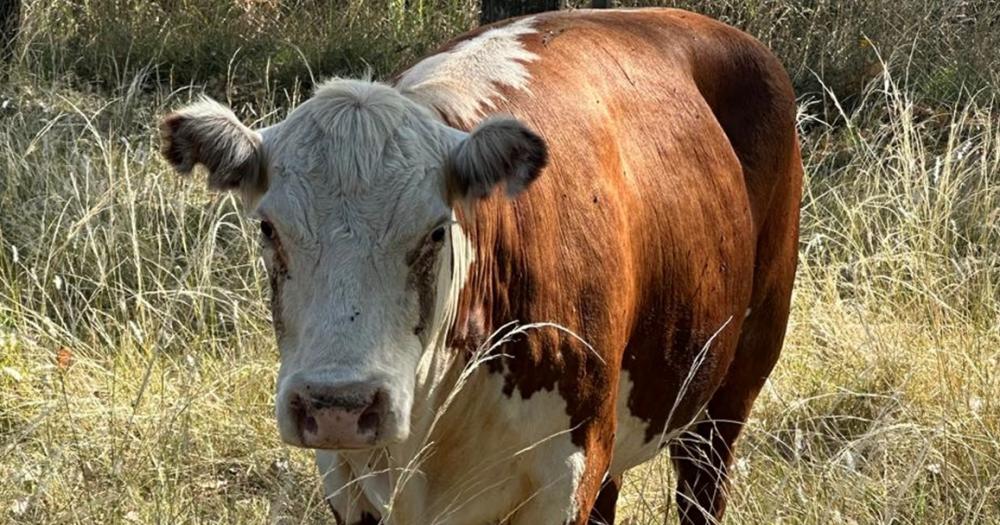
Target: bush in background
940,47
233,47
242,48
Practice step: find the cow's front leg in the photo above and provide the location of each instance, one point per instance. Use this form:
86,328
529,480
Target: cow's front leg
342,493
566,484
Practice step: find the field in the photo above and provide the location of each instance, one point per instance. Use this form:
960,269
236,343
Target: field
137,363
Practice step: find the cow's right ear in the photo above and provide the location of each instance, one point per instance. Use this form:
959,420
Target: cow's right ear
209,134
500,151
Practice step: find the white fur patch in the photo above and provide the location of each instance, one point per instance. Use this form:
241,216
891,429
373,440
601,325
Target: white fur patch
556,500
577,464
631,447
464,81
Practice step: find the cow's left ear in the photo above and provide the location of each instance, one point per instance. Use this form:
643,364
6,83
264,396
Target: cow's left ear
501,150
209,134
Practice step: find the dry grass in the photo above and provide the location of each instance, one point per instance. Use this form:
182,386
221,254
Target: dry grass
137,365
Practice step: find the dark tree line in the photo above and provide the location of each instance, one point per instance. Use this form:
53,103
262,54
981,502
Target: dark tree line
10,24
493,10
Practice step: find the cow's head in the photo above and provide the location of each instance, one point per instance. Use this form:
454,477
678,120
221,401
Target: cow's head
354,192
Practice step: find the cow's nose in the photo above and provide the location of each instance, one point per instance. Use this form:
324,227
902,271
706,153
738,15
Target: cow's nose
337,416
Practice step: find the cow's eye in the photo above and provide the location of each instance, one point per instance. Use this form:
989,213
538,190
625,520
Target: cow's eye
438,234
267,230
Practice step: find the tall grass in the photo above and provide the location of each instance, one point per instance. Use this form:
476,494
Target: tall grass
137,365
149,294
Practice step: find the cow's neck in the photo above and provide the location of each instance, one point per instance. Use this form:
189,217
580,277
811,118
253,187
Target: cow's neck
483,305
471,289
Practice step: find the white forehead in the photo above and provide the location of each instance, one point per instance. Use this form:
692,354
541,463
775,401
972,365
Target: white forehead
357,158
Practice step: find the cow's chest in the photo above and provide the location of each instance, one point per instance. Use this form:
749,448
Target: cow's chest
489,458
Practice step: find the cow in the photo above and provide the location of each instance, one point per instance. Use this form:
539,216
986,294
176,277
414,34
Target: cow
524,265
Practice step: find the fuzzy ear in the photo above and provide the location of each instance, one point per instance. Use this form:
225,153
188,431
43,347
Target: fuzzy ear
209,134
500,150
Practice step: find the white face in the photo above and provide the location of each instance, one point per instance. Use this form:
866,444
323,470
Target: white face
355,228
353,191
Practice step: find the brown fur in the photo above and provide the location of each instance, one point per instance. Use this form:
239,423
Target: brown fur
668,208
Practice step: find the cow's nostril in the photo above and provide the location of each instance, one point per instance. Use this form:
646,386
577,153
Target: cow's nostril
299,411
309,425
368,422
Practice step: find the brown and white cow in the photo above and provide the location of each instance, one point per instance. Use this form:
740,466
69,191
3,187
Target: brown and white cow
460,353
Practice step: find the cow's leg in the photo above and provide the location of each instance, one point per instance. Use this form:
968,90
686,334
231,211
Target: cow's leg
591,485
603,512
555,497
702,457
565,494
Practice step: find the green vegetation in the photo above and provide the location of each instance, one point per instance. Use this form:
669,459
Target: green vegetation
247,49
137,364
